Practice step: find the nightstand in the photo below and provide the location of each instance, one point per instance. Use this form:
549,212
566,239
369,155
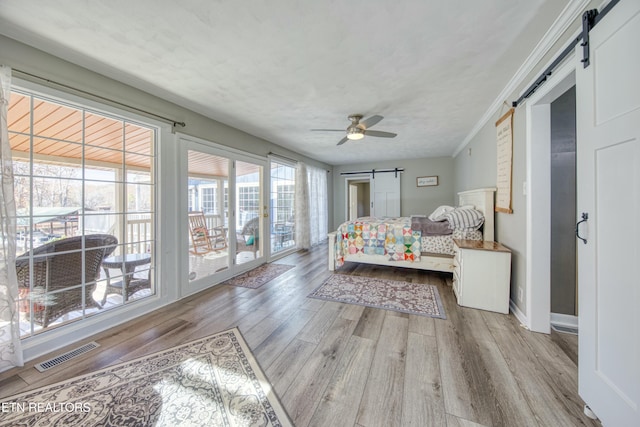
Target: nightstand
482,274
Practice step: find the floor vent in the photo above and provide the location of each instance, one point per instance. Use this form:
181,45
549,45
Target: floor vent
565,329
66,356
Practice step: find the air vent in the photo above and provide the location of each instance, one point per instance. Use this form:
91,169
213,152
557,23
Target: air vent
66,356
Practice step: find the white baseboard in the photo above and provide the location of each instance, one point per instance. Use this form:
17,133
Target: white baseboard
565,320
519,314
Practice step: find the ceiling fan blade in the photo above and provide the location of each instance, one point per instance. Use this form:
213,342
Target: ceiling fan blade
327,130
367,123
342,141
380,134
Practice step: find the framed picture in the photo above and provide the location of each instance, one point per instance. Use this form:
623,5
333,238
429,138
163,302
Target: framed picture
427,181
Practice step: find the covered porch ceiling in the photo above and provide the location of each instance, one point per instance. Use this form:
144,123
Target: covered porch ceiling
108,142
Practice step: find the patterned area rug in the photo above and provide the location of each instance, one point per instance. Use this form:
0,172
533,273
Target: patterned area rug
213,381
412,298
259,276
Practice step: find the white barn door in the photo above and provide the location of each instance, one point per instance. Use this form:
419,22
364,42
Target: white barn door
385,194
608,156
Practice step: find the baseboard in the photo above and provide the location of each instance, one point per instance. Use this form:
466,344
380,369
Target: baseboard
564,320
519,314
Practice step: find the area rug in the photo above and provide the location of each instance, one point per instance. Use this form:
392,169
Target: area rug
259,276
213,381
405,297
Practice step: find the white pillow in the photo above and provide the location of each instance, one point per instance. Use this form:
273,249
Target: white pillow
464,219
438,214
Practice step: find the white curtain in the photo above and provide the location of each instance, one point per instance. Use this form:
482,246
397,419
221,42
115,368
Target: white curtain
303,219
10,349
311,206
318,204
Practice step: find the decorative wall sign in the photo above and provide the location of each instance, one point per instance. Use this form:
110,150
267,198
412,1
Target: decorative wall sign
504,133
427,181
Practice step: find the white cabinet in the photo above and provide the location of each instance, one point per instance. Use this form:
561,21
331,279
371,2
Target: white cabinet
482,274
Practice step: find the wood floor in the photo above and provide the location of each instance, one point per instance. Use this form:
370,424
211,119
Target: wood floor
335,364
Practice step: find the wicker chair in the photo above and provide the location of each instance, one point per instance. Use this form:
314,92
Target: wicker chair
248,238
57,266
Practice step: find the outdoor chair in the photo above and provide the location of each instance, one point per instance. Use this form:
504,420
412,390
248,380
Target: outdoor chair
203,239
248,238
57,274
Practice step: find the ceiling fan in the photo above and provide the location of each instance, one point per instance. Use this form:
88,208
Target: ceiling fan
358,129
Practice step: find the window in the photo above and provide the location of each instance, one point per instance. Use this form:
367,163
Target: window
209,197
285,197
282,206
248,203
85,198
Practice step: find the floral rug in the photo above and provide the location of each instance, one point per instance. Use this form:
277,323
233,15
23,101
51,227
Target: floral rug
259,276
406,297
213,381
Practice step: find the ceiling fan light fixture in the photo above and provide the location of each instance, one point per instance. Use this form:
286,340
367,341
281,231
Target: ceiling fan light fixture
354,134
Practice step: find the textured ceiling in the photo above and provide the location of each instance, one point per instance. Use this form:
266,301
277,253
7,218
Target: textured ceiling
276,69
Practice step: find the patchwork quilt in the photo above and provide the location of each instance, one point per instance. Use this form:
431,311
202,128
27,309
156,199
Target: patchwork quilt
392,238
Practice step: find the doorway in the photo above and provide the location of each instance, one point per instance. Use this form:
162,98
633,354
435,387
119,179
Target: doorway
538,194
224,214
563,213
358,199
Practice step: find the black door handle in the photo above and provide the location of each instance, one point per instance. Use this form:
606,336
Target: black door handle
585,217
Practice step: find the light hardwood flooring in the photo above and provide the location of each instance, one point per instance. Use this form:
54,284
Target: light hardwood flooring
335,364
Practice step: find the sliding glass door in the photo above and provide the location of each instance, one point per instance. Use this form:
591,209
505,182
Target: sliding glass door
207,213
224,214
250,212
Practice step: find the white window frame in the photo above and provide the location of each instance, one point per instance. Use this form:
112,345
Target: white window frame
48,341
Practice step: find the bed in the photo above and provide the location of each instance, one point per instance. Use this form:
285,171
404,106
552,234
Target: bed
415,257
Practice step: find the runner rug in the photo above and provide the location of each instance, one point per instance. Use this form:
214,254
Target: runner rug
259,276
213,381
406,297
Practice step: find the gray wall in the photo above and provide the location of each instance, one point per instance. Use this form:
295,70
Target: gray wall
364,199
413,199
563,203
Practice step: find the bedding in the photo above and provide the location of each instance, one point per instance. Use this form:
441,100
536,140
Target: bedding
392,238
430,228
464,219
405,238
437,215
444,244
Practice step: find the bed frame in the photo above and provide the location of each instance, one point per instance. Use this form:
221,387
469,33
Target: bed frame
481,198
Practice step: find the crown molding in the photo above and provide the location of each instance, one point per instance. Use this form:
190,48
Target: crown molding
572,11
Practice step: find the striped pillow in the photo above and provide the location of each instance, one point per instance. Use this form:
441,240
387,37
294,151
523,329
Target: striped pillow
465,219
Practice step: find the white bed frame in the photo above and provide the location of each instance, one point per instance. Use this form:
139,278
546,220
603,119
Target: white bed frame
481,198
